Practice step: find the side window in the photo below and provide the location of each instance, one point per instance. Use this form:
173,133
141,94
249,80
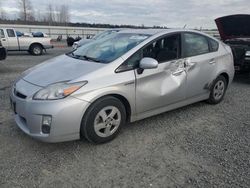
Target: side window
11,33
1,34
164,49
131,62
194,44
214,45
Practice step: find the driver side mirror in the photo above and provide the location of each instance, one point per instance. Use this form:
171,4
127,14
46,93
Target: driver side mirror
148,63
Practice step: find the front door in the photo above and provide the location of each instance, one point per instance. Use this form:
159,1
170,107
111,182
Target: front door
165,85
12,40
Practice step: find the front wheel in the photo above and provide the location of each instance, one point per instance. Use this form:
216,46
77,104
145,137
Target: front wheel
103,120
218,90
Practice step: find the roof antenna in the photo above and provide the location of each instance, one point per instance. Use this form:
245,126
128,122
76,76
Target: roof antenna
185,26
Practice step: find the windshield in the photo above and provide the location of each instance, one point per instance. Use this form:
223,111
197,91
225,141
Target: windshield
103,34
108,48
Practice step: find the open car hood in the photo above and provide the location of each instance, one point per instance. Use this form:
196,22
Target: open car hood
234,26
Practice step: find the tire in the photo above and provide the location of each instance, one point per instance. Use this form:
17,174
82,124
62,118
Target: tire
99,125
218,90
36,49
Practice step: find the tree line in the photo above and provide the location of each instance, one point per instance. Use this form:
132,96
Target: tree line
52,15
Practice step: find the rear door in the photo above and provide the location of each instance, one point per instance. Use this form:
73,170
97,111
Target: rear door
3,39
165,85
200,63
12,40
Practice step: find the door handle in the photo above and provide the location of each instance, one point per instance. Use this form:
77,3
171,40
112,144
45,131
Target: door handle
3,39
212,61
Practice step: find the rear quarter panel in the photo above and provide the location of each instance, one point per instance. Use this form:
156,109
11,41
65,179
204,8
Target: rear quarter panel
225,62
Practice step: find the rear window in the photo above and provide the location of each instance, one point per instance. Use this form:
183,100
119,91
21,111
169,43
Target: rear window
214,45
194,44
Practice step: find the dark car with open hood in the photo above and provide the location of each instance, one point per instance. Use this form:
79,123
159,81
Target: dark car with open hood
235,31
3,52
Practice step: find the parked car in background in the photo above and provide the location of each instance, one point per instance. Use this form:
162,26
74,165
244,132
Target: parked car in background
3,53
235,31
34,45
123,77
81,42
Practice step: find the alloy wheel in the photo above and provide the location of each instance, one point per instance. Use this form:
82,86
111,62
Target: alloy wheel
219,90
107,121
37,50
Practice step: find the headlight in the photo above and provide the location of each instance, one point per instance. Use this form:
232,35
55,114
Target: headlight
247,53
58,91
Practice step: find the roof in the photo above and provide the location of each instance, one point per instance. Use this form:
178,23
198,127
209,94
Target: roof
159,31
143,31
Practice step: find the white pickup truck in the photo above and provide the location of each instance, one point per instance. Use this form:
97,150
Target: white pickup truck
34,45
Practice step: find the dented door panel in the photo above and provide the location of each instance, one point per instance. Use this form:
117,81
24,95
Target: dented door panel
159,87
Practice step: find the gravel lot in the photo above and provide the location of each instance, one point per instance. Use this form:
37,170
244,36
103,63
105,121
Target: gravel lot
196,146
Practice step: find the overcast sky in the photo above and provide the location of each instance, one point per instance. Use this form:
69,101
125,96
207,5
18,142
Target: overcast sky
170,13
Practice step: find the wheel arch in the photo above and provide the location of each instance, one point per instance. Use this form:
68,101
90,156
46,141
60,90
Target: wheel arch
35,43
225,75
125,103
120,97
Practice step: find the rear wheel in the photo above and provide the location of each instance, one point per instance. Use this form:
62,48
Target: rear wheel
36,49
103,120
218,90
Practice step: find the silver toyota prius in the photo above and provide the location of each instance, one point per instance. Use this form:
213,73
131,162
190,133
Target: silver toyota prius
127,76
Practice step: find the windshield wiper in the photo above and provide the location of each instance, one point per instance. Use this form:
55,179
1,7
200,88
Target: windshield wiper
91,59
72,54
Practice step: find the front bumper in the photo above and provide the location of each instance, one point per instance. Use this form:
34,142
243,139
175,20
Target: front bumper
66,116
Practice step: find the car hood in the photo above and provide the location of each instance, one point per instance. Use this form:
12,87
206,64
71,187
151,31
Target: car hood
59,69
234,26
